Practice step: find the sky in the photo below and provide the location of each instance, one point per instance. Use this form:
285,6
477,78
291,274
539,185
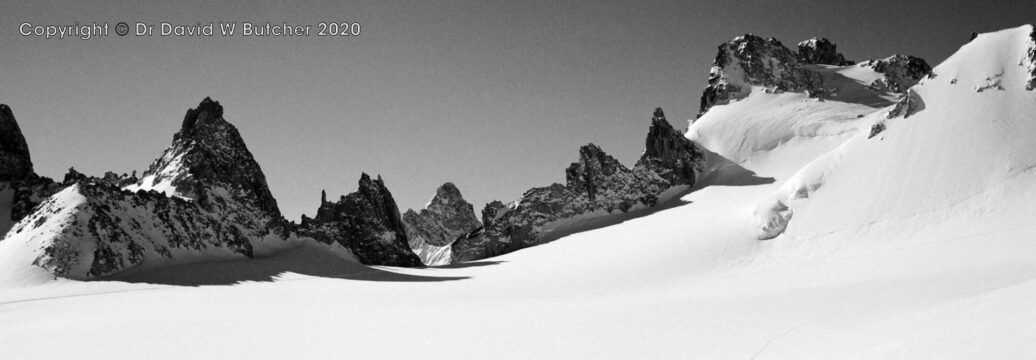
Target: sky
494,96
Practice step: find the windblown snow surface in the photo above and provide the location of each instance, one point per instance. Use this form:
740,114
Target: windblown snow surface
915,243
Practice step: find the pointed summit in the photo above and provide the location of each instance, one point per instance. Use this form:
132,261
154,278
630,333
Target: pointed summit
670,154
208,153
207,109
446,218
658,116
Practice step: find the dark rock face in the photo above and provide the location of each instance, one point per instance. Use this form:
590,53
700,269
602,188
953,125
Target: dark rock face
1031,84
901,72
367,222
821,51
15,163
596,185
669,154
446,218
749,60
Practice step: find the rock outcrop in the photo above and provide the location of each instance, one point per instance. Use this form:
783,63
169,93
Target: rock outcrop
433,229
367,222
821,51
596,185
900,72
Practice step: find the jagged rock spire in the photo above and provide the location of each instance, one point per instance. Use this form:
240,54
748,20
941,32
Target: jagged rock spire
208,152
670,154
367,222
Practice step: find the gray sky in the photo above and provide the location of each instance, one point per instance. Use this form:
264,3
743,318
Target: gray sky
496,96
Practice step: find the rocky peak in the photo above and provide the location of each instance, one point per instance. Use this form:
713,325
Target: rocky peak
901,72
669,153
446,218
208,152
206,114
750,60
820,51
367,222
15,162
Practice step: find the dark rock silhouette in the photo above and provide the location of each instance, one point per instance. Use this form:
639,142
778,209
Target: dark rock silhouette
367,222
821,51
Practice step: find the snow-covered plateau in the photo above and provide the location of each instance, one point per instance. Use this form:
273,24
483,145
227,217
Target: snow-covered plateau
848,214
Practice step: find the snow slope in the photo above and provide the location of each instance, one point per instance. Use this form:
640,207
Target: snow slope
913,244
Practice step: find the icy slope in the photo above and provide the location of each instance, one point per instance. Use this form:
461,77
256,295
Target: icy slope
759,97
969,145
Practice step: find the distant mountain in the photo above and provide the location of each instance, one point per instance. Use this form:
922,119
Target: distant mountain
597,185
433,229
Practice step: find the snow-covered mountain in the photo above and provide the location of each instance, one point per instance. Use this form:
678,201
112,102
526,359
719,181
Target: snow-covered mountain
888,216
204,199
963,135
